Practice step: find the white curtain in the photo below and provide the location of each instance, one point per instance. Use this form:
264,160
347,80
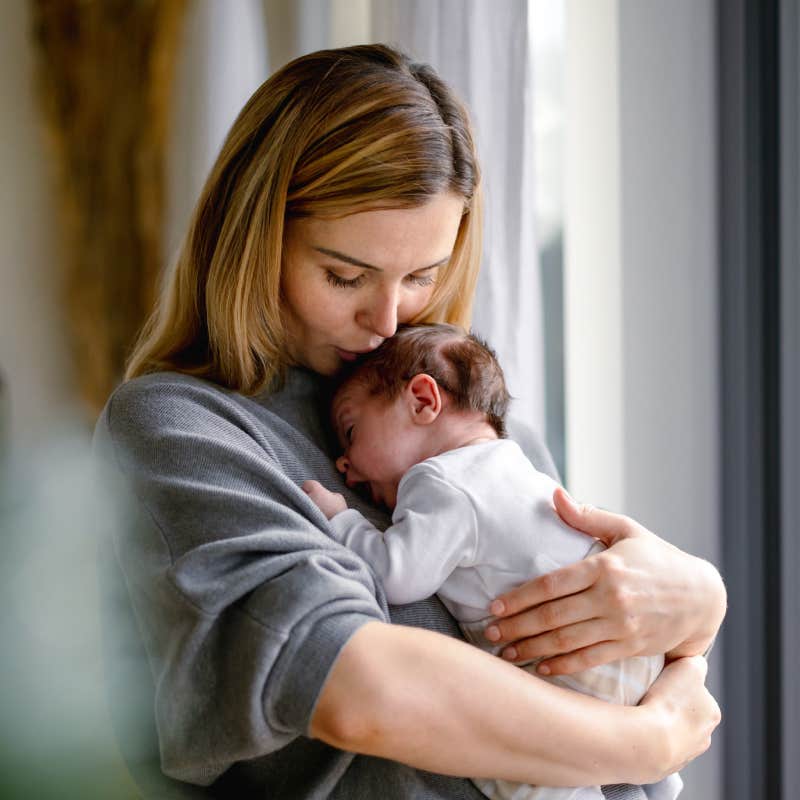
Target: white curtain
480,47
223,60
483,49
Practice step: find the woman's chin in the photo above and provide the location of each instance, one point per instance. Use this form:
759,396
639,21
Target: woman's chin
325,363
328,370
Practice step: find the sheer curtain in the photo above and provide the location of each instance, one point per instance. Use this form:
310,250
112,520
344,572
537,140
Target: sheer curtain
482,49
223,58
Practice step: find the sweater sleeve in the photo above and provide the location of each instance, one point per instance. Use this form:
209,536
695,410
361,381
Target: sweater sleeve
242,601
433,531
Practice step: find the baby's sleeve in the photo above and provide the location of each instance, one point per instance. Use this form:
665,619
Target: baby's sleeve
433,532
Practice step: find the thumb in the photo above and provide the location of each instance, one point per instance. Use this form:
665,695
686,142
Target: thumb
600,524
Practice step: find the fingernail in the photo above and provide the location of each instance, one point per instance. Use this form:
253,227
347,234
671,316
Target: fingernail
510,653
492,633
497,607
543,669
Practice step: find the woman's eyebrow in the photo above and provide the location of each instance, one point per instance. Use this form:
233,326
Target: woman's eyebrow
357,263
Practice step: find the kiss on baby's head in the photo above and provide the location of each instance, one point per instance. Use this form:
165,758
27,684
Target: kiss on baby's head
427,390
461,363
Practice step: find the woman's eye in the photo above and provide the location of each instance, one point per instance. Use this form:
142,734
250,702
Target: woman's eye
421,280
348,434
343,283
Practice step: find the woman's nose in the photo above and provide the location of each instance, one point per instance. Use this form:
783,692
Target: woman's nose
380,316
342,464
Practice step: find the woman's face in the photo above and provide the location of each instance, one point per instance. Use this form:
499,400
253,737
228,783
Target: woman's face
348,282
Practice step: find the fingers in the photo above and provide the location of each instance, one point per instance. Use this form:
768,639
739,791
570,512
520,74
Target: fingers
545,618
601,524
317,492
561,641
559,583
585,658
690,710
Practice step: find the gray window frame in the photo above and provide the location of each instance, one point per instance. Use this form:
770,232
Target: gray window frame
760,357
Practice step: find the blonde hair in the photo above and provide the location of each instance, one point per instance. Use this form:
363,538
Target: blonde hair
332,132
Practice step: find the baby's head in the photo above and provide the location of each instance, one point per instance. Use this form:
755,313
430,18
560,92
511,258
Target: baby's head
428,389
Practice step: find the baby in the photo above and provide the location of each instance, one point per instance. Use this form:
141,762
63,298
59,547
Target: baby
422,424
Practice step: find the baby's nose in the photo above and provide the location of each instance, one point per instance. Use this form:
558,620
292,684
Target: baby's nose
342,464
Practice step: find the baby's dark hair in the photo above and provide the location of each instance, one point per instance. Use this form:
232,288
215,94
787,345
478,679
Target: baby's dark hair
461,363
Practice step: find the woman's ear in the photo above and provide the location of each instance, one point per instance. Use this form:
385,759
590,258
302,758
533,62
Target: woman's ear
423,398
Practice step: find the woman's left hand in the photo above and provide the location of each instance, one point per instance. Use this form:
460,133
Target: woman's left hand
641,596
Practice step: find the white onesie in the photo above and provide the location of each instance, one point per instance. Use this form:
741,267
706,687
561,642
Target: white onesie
469,525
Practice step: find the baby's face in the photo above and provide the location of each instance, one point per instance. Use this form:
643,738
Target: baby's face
379,439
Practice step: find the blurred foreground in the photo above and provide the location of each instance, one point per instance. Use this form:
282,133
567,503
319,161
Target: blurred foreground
56,739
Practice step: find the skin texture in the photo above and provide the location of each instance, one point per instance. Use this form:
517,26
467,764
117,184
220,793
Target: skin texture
334,308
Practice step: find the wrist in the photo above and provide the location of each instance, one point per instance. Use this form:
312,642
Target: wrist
341,520
658,757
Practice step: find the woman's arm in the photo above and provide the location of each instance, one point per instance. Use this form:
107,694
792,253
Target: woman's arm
642,596
242,602
411,695
252,617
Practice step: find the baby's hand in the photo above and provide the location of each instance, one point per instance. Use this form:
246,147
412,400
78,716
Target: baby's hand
329,504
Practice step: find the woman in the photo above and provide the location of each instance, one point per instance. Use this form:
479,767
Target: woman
346,200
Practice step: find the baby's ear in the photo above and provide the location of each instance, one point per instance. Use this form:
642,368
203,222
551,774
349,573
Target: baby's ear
423,398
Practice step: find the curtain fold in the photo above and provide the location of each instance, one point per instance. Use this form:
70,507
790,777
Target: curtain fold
104,73
222,59
483,49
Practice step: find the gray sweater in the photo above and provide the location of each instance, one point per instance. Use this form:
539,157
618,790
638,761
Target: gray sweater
226,601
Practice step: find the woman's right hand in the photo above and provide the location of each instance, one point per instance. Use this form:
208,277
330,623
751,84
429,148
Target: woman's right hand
686,708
